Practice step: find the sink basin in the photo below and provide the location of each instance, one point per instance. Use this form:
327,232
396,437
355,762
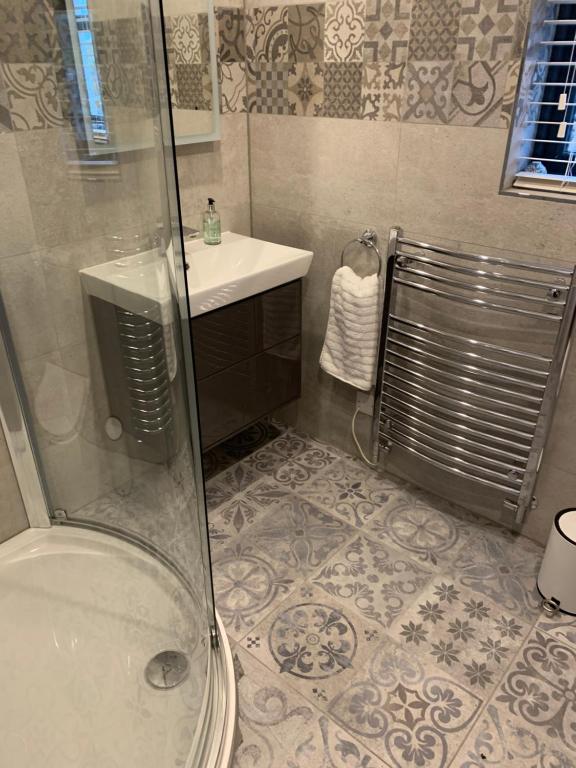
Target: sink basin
217,275
237,268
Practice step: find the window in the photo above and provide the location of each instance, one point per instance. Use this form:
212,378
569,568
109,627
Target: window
541,156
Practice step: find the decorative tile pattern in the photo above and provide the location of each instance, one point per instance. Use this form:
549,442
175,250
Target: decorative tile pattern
267,35
562,627
315,643
251,439
351,491
404,711
428,91
464,634
504,568
306,89
31,96
415,523
27,32
268,90
487,29
232,87
382,90
232,43
230,520
306,32
5,118
344,31
478,92
222,487
299,534
387,30
376,581
433,30
247,585
541,689
191,86
278,727
499,739
295,472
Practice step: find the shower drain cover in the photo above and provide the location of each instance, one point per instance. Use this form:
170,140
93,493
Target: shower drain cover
167,669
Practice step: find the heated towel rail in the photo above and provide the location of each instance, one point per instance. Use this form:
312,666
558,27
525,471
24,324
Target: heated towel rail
472,352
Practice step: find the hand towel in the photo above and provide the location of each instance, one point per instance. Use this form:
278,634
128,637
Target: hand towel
351,344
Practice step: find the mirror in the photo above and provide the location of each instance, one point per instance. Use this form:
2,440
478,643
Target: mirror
107,74
191,47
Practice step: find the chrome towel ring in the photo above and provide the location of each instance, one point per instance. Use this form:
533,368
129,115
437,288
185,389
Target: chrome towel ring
369,239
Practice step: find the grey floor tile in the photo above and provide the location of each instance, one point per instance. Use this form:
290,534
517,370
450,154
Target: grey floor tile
278,728
408,712
231,519
314,642
561,626
376,581
503,567
247,585
530,722
353,492
299,534
413,522
462,633
295,472
227,484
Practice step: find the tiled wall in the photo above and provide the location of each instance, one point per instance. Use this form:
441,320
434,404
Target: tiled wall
422,150
13,518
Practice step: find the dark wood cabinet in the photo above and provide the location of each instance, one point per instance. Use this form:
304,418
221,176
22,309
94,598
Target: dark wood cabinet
248,360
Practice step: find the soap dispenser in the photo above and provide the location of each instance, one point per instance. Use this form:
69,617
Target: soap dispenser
212,233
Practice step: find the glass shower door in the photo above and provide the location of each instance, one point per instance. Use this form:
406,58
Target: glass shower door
93,282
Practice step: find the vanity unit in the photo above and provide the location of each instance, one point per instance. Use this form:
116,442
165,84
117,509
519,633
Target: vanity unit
245,315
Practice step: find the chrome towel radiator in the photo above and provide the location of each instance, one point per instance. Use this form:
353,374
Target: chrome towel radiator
472,352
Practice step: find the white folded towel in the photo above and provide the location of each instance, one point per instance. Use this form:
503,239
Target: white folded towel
351,343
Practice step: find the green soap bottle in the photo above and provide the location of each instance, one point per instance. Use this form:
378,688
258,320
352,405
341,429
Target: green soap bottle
212,231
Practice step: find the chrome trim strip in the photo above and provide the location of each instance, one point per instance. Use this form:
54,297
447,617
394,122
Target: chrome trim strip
19,438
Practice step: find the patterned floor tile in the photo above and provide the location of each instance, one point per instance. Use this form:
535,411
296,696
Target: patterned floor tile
501,739
562,626
503,567
344,31
376,581
382,90
306,88
428,92
464,634
299,534
477,93
247,585
433,30
251,439
354,492
315,642
278,727
415,524
222,487
387,30
540,688
228,521
487,29
306,32
266,460
407,712
295,472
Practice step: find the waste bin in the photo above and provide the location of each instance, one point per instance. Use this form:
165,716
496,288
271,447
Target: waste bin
557,578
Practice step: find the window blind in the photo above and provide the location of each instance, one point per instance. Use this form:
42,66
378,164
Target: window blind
545,118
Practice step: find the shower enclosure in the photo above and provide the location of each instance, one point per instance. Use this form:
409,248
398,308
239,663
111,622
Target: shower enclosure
112,654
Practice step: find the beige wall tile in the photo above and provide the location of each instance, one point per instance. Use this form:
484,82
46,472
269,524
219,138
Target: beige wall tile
344,170
13,518
16,226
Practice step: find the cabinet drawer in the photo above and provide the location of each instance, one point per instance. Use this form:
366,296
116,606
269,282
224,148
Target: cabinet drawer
278,314
232,399
224,337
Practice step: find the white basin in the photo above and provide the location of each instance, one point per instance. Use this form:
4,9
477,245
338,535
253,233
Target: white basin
237,268
217,275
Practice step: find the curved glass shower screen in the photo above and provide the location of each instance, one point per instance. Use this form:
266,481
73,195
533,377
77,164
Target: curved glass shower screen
92,281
